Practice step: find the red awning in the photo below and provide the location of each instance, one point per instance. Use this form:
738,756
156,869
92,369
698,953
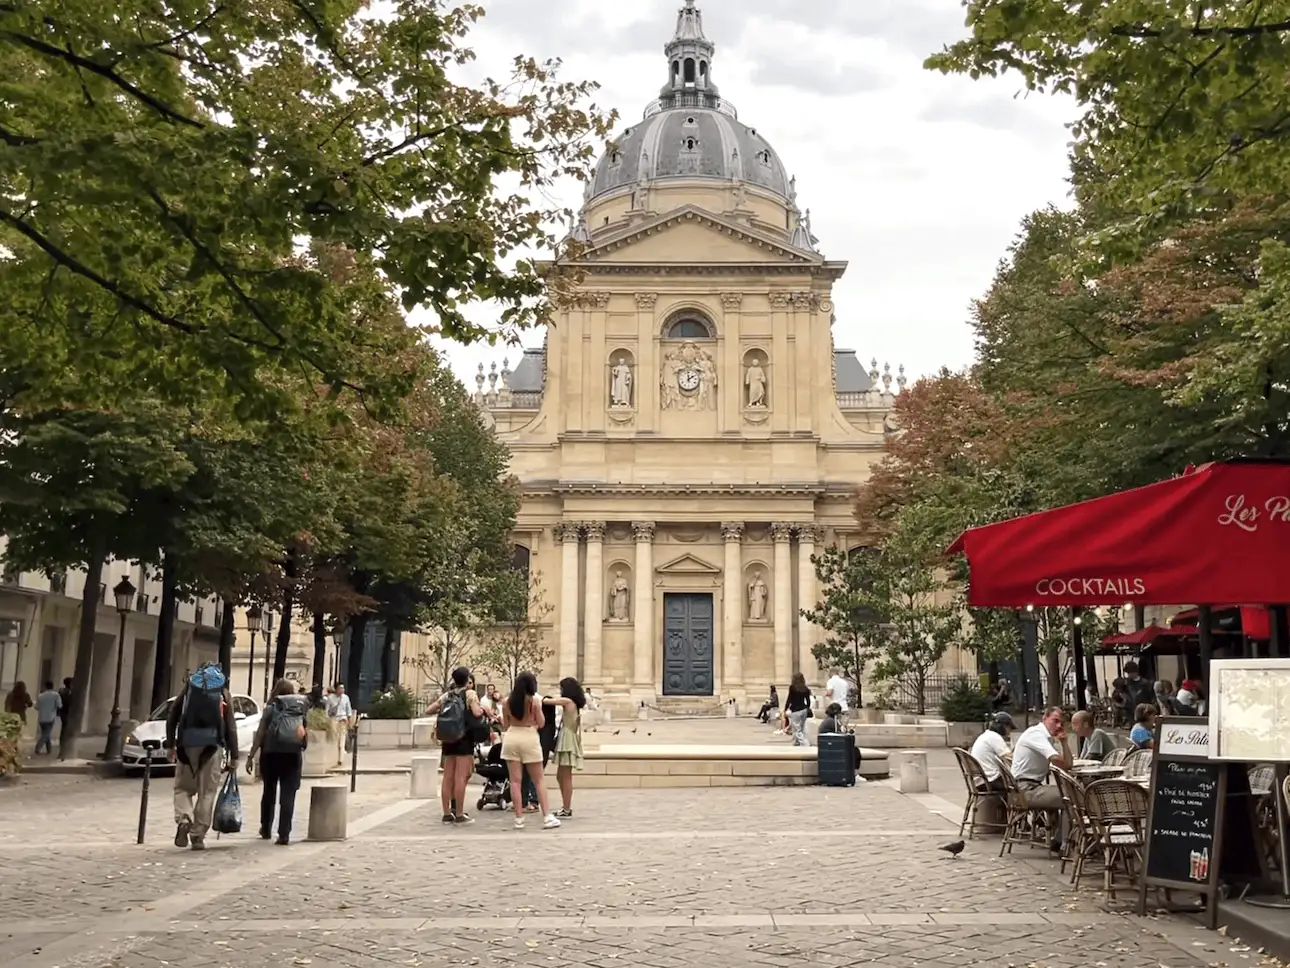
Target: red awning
1219,533
1150,634
1256,620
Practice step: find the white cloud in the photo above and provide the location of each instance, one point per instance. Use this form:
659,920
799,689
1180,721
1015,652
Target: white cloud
917,179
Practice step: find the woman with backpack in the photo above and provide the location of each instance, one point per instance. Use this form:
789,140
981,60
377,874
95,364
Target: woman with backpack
280,741
568,748
522,747
460,720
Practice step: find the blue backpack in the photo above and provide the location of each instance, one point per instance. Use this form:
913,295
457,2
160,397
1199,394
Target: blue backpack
201,724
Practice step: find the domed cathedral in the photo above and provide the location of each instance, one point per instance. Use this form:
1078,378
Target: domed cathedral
688,436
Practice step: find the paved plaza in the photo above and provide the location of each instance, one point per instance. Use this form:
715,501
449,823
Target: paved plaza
659,878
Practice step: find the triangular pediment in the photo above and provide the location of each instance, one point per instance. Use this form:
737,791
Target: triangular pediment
687,564
691,234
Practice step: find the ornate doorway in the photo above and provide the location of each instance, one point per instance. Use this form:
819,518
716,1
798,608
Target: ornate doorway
687,644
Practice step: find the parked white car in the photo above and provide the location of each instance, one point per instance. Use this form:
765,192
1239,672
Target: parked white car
245,710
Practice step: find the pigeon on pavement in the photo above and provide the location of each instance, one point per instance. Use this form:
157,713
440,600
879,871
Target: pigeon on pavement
955,848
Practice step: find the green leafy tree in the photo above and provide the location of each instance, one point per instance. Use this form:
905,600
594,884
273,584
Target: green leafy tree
851,610
518,640
160,166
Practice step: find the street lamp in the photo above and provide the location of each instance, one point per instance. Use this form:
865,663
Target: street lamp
253,618
338,640
268,634
124,595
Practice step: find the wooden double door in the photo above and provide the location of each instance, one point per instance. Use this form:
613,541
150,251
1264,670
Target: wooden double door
688,644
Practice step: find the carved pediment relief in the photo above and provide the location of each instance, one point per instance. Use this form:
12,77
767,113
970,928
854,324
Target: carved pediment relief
687,565
691,232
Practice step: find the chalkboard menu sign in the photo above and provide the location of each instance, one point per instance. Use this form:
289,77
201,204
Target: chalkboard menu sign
1184,821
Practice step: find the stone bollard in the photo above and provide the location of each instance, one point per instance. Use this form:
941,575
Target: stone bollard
425,778
913,771
731,711
329,812
643,712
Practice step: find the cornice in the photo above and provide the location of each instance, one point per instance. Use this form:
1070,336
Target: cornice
698,216
593,488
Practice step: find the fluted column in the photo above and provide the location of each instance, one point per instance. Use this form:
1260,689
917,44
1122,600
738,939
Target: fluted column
806,600
733,618
643,606
594,617
782,535
568,535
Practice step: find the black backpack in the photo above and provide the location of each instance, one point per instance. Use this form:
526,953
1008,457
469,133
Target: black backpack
451,724
201,723
286,732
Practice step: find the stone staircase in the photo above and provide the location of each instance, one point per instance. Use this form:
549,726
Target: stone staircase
687,706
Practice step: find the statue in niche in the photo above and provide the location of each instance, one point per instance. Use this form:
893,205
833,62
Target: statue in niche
755,381
620,598
757,595
620,384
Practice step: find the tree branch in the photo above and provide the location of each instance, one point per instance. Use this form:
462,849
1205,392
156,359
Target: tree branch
1143,32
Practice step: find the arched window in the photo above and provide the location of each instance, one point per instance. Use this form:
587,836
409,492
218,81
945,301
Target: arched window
520,559
689,327
689,70
703,69
689,144
676,69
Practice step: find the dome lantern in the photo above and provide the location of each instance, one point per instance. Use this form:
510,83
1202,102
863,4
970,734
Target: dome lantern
689,59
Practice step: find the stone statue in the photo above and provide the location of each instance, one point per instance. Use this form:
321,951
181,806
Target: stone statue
620,384
755,381
757,594
620,597
689,379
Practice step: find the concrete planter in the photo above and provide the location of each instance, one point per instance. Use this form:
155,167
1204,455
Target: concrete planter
319,754
962,734
423,735
385,734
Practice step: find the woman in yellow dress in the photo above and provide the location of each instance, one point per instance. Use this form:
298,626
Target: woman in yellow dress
568,748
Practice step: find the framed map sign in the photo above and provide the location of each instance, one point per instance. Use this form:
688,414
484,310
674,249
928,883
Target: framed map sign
1249,710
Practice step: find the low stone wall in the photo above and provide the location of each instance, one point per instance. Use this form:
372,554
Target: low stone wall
385,734
629,767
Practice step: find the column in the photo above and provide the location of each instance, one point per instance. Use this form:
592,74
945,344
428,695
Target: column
782,534
806,599
643,606
568,535
733,619
593,618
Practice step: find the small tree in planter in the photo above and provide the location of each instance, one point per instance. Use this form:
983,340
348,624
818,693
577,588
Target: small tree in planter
397,703
964,705
10,731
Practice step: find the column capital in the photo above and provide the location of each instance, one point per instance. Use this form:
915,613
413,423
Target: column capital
570,532
595,530
643,530
780,531
732,530
808,533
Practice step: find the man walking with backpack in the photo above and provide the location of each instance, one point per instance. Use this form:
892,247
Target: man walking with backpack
200,730
280,741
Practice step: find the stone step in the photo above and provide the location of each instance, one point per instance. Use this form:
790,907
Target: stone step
715,766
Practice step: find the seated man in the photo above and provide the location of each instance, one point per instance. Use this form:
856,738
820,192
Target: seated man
1095,743
990,748
1040,747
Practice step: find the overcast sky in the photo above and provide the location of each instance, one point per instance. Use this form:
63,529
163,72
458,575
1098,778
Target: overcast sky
918,180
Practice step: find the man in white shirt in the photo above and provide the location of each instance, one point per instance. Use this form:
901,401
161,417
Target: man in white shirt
990,748
1039,748
838,690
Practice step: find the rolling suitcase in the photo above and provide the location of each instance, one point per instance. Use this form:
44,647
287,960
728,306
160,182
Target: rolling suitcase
836,759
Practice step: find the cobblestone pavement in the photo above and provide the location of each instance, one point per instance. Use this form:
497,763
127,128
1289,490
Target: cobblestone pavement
658,878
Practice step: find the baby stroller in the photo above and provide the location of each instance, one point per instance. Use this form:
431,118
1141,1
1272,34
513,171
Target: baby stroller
496,777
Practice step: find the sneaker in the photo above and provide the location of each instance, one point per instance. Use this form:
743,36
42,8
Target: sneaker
519,823
551,822
283,841
265,833
465,818
564,814
181,833
197,843
449,818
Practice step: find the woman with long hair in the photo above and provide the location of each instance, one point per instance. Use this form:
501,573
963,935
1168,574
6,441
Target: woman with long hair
522,749
282,751
457,754
568,748
797,710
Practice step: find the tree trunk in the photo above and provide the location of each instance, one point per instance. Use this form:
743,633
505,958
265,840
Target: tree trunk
992,670
165,630
354,668
226,635
388,673
283,643
1053,667
320,650
84,653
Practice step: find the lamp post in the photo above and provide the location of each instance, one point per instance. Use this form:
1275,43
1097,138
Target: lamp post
254,616
338,640
268,635
124,595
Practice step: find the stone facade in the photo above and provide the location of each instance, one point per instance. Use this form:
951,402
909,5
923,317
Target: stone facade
688,435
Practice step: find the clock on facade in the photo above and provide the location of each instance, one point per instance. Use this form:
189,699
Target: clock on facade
688,380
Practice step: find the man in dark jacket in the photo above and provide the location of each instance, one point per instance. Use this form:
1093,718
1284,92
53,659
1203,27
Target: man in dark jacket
200,732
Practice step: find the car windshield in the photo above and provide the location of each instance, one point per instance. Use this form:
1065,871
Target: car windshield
162,711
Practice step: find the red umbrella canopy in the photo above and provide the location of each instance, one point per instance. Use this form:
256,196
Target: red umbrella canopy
1219,533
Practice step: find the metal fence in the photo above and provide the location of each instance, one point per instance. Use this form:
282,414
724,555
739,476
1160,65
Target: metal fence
905,692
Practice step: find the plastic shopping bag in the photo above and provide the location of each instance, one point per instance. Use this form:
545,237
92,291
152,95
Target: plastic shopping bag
228,808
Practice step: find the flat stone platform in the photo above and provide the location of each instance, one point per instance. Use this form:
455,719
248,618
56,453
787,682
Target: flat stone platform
642,765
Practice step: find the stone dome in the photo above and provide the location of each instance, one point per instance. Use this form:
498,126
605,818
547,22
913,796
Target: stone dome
690,132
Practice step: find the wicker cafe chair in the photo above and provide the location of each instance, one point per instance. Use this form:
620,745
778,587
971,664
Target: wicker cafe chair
977,794
1115,757
1019,827
1117,812
1081,828
1137,764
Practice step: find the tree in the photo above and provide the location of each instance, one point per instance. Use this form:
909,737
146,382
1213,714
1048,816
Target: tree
850,610
161,166
1181,103
517,641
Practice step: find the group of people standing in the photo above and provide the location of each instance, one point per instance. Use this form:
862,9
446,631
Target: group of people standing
51,706
524,718
841,696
